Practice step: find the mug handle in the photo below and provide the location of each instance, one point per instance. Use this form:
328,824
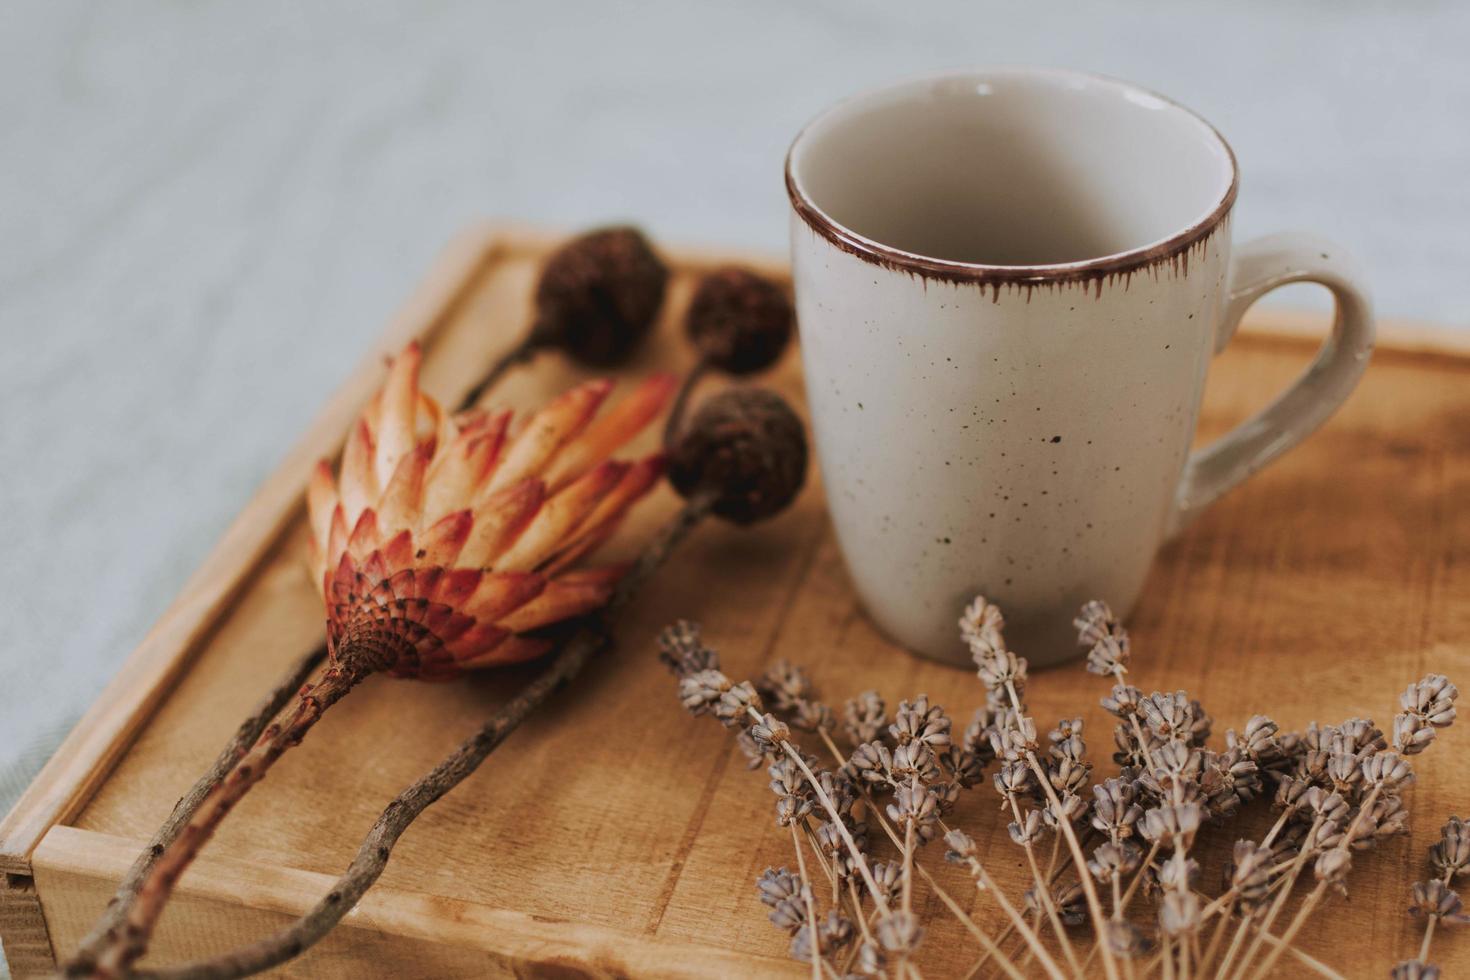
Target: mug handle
1259,267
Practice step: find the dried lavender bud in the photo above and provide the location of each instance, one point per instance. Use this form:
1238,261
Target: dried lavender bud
1330,807
784,685
839,789
1432,698
1028,829
1068,776
735,704
755,756
770,733
1356,735
888,876
870,762
1015,779
747,446
913,804
1014,741
1344,773
599,294
1172,826
1332,866
918,721
1436,900
1111,861
981,625
961,846
785,895
1388,818
813,716
1069,899
1201,726
1168,716
1113,810
1179,913
738,320
1124,700
1387,771
967,765
1414,970
899,933
1094,622
1249,873
872,961
1108,656
833,932
1258,741
998,668
776,885
914,760
1126,939
701,691
683,651
1068,807
864,718
1238,769
1450,855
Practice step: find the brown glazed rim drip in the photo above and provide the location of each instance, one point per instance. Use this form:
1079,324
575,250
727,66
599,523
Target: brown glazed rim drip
1173,251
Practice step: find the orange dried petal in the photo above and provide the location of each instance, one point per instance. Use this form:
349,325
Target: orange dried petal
612,429
549,429
559,516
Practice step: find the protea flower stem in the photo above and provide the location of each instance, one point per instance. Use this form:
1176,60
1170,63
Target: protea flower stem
130,941
245,736
372,856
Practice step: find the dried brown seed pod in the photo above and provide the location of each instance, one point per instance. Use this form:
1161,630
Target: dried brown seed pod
740,321
599,294
746,445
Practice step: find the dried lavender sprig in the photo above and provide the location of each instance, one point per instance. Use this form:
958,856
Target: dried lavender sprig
1428,703
1003,670
983,882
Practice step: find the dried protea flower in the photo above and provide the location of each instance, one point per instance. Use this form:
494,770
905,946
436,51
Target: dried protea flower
746,448
739,321
599,295
444,542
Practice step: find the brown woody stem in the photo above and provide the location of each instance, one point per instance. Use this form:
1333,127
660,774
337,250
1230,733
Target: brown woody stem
245,736
372,856
674,424
526,348
130,940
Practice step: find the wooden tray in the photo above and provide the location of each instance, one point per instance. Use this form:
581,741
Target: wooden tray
616,836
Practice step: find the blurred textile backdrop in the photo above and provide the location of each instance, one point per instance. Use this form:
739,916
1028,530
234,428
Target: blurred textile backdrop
209,209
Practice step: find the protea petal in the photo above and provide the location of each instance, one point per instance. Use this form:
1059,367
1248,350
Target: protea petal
549,430
599,525
459,471
562,598
561,515
321,500
397,413
500,520
612,430
357,483
402,498
444,540
364,537
510,650
500,593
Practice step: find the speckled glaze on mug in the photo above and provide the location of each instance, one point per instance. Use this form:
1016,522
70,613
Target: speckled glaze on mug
1010,285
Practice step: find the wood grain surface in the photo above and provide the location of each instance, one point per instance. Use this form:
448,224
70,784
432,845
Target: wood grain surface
614,835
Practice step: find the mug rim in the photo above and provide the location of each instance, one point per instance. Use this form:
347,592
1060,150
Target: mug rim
1166,250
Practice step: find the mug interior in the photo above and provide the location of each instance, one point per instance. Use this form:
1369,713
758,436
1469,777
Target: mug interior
1012,168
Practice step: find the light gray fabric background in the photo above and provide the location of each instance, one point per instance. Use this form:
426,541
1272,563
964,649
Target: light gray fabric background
208,209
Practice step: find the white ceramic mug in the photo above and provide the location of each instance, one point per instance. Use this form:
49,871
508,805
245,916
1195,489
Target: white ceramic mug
1009,286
